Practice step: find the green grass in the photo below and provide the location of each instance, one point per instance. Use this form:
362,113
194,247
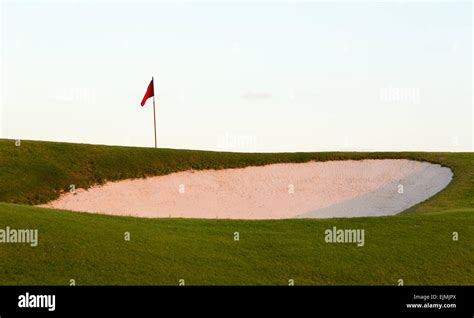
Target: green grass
91,249
416,246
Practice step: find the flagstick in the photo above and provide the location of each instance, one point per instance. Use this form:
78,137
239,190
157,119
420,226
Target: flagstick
154,115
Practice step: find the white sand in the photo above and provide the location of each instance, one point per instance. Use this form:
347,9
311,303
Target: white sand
320,189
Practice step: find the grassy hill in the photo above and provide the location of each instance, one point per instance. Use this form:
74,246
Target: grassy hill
416,246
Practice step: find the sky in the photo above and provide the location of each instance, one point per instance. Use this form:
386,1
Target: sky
240,76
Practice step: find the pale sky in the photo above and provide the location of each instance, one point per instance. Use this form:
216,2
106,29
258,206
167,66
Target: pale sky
270,76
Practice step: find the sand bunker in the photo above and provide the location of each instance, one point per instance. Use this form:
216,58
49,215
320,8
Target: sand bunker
301,190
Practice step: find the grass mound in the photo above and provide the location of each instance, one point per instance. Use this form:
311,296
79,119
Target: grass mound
37,171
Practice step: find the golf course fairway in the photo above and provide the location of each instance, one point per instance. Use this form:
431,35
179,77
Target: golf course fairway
431,243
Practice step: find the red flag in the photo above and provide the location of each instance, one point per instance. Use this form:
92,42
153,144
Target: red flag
150,92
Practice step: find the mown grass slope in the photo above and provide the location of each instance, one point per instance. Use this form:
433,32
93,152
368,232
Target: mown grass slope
91,249
417,246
